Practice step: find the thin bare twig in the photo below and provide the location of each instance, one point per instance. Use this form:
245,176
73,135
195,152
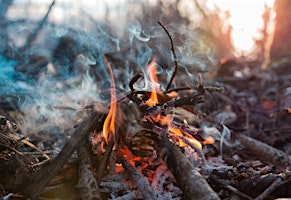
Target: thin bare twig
104,161
175,57
33,35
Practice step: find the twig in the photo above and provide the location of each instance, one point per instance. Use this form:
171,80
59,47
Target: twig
221,184
264,152
104,161
188,178
87,184
44,177
175,57
142,185
269,190
33,35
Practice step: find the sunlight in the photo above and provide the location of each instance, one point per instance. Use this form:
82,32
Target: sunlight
245,18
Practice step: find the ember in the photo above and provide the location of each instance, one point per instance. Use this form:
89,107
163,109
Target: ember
102,110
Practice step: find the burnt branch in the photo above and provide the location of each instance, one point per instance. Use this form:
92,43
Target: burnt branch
188,178
104,161
175,57
142,185
42,179
87,183
264,152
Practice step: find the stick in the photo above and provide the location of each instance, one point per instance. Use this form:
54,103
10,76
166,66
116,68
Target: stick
188,178
44,177
175,57
33,35
221,184
266,153
87,184
142,185
269,190
104,161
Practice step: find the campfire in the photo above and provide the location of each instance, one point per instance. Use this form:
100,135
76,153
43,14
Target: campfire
126,121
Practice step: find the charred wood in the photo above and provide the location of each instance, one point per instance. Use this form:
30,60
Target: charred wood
93,123
104,161
188,178
142,185
87,184
264,152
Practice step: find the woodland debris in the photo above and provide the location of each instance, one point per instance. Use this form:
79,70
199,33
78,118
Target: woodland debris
264,152
188,178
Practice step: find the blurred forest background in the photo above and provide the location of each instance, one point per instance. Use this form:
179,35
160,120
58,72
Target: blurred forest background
210,23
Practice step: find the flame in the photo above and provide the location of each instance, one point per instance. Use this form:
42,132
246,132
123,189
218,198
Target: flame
209,140
152,69
109,123
165,120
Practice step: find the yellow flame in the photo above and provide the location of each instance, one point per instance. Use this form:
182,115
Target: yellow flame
109,123
152,69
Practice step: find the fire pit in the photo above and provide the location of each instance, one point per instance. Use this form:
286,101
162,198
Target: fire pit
121,119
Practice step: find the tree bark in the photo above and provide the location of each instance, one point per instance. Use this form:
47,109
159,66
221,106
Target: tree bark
281,46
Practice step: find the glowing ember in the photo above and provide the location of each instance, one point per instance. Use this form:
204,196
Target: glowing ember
109,123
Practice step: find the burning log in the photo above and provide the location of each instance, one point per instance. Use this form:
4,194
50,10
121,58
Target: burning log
188,178
88,125
136,176
264,152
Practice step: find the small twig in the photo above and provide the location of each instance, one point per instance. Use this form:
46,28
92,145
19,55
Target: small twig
218,182
270,189
33,35
142,185
175,57
104,160
87,184
264,152
134,79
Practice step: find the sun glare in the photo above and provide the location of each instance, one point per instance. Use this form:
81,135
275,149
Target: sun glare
245,18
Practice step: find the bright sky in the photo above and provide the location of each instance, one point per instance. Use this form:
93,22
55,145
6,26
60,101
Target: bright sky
245,19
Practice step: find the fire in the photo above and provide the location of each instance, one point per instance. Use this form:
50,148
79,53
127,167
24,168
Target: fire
165,120
152,69
109,123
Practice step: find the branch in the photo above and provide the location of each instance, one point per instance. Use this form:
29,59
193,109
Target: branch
188,178
175,57
264,152
44,177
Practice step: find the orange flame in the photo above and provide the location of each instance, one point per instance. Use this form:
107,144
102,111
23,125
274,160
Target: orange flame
109,123
152,69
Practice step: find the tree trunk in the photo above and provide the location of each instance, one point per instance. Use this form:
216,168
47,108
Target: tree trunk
281,46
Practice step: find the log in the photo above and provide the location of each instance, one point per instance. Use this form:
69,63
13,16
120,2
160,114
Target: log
42,179
87,184
266,153
142,185
190,181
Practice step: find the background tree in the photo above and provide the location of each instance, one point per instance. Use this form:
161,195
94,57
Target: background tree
281,46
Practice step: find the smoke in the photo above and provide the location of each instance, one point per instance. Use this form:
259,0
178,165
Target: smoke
63,74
